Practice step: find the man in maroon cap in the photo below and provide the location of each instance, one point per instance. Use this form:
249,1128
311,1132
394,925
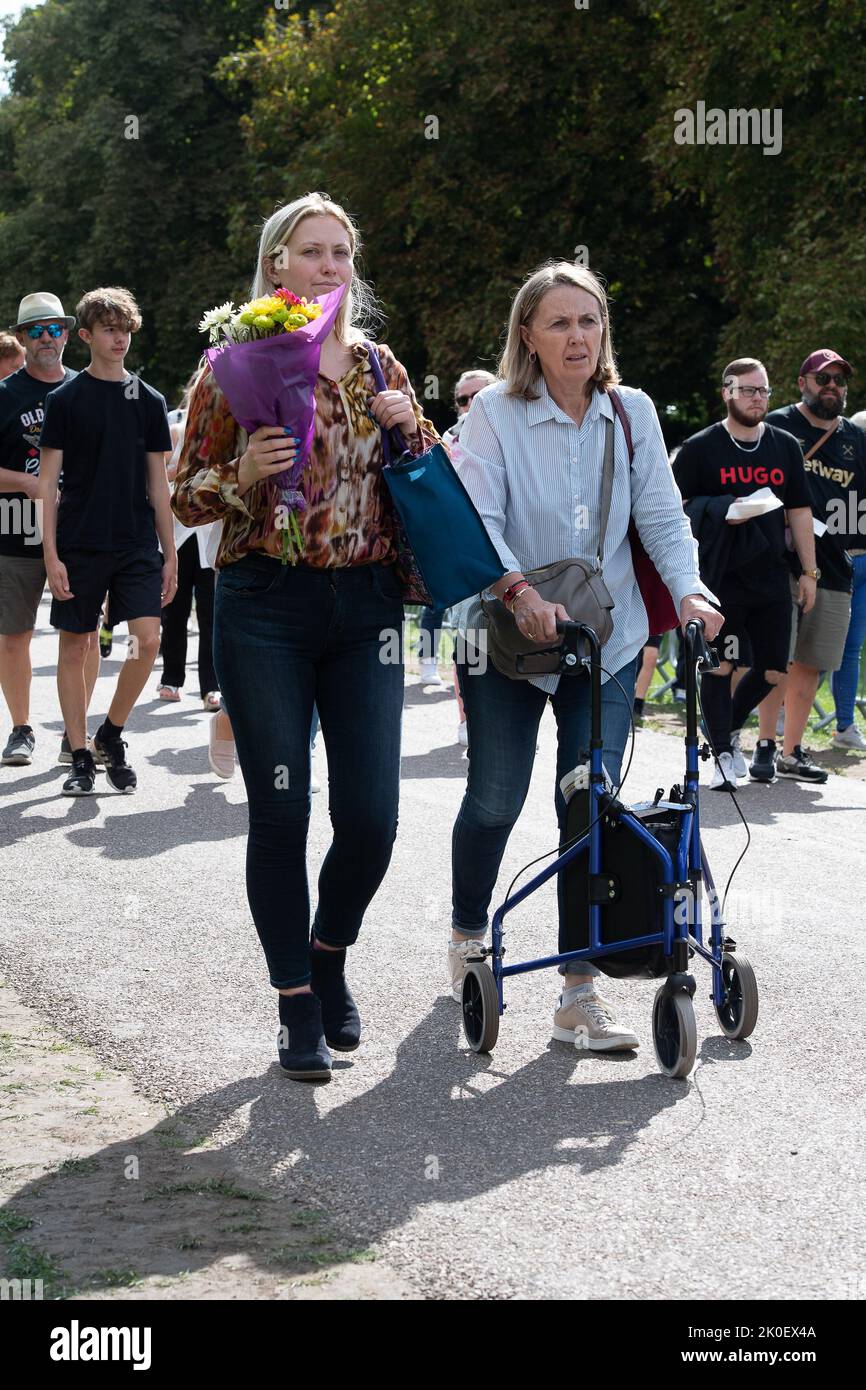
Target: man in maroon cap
834,457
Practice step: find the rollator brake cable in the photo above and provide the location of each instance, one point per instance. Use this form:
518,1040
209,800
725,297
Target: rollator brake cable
733,795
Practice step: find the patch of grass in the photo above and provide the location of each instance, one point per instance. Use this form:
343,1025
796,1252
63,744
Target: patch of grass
77,1166
190,1243
28,1262
67,1085
306,1254
171,1138
211,1187
58,1047
16,1086
7,1042
241,1228
91,1110
114,1279
12,1221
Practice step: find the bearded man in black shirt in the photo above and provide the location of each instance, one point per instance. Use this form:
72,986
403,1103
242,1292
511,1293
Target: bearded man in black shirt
743,556
834,452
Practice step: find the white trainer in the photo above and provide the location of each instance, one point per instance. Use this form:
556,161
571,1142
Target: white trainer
740,765
589,1022
724,777
459,952
221,752
849,738
430,673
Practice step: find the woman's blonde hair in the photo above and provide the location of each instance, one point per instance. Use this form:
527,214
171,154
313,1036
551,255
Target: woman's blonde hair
520,375
359,312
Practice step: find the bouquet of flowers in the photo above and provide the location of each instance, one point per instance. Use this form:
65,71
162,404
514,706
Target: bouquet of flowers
265,357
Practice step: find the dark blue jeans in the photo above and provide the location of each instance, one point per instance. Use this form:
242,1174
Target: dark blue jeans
503,718
429,633
286,638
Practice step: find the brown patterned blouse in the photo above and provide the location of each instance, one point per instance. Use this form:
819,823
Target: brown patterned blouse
349,519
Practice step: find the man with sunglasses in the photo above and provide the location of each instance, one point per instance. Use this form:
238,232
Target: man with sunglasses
834,452
42,329
743,557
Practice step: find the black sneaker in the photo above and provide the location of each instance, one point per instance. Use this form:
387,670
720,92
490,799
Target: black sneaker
762,768
82,778
19,750
301,1045
112,752
800,766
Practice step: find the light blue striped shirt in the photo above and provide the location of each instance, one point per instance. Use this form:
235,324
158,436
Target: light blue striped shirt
535,477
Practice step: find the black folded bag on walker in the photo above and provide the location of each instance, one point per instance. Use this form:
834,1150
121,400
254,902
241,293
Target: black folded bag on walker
632,873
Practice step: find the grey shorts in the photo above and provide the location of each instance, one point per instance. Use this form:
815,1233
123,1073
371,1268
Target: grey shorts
818,638
22,581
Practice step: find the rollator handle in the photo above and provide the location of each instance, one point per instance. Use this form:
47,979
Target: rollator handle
570,658
696,647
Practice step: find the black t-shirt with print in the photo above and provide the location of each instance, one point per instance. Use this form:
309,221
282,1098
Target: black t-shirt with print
836,478
22,410
710,464
105,429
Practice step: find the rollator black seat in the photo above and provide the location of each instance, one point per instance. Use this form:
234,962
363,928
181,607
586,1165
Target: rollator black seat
635,873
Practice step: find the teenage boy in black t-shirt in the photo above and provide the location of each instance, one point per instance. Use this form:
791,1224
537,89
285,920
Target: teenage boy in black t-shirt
109,433
745,559
836,477
40,332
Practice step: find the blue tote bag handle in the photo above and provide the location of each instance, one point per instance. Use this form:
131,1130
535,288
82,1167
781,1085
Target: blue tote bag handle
454,554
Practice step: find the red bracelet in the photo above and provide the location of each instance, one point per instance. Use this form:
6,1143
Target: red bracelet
513,590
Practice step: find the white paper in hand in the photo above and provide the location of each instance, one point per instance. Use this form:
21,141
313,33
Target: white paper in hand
757,504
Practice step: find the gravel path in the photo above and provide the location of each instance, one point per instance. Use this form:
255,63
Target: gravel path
535,1172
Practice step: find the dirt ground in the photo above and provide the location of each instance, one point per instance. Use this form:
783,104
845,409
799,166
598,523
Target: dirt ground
103,1195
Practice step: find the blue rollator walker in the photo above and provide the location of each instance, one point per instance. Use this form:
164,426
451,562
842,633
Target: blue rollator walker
630,870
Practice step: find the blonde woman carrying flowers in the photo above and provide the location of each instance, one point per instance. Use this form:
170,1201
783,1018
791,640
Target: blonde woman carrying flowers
287,636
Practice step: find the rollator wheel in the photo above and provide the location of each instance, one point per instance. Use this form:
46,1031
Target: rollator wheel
675,1033
739,1013
480,1007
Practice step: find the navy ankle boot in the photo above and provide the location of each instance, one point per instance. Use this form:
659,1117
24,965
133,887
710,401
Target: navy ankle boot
301,1046
340,1017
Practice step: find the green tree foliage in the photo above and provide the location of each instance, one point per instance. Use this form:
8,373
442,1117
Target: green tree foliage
83,204
472,143
788,230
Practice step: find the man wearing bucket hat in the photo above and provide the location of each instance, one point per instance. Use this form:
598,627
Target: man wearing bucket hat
834,457
42,329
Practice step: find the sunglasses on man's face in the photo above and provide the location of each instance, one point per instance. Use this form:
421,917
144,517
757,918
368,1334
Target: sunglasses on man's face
824,378
56,330
464,400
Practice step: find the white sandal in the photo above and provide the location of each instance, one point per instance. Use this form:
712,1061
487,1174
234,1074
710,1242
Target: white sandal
212,702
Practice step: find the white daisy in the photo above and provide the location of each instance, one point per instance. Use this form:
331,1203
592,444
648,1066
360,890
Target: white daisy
215,319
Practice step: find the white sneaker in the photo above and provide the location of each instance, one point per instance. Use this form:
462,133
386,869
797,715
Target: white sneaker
430,673
849,738
463,735
459,952
740,766
589,1022
221,752
724,776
